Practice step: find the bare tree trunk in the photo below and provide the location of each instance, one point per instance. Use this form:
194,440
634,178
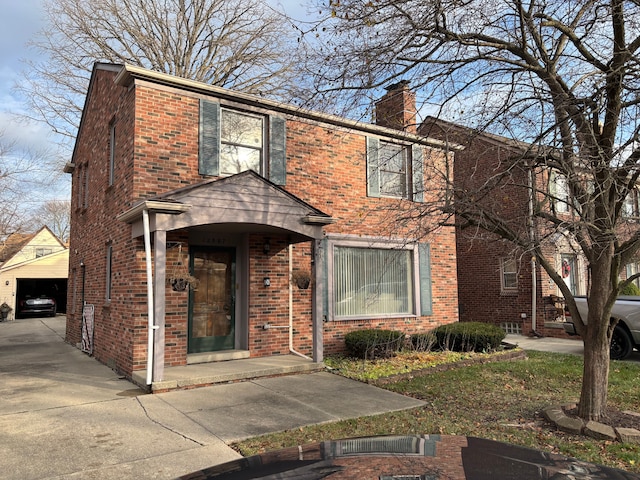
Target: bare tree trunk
597,338
595,378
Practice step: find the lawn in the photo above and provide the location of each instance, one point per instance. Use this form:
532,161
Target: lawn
500,400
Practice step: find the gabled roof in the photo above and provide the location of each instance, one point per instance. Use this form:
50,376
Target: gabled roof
242,202
13,244
17,241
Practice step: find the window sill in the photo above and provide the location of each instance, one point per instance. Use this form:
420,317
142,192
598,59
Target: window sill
358,318
509,293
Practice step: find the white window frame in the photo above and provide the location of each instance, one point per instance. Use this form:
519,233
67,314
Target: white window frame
505,286
112,152
263,144
373,244
630,205
631,269
109,271
560,192
406,174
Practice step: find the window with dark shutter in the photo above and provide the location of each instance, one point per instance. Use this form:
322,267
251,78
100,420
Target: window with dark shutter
233,141
394,170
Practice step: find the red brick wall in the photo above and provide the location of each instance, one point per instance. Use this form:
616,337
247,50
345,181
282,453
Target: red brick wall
157,151
479,253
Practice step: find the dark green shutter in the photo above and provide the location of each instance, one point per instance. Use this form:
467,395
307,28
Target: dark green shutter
278,150
373,171
417,171
209,148
424,263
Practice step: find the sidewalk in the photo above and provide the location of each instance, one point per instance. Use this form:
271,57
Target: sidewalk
65,416
558,345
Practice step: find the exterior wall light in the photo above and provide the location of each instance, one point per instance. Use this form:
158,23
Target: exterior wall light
267,282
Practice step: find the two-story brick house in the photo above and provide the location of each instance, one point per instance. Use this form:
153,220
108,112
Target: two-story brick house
278,216
498,283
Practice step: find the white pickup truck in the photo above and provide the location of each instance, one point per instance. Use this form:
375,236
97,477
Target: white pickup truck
626,335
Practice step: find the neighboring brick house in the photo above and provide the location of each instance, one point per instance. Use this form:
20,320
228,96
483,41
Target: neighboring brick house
239,194
495,281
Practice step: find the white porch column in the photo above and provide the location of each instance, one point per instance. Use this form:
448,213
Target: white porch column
159,266
318,301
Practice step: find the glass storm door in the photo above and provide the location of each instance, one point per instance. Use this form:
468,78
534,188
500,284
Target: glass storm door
212,304
568,271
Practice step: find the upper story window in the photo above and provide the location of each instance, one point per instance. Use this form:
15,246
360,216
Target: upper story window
630,205
241,142
233,141
394,170
559,191
394,174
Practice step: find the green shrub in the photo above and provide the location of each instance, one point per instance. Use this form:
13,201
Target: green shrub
373,343
469,337
630,289
423,342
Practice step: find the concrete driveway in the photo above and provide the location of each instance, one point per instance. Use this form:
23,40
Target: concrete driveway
558,345
63,415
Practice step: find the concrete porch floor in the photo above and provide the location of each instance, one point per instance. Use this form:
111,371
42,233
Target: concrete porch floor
202,374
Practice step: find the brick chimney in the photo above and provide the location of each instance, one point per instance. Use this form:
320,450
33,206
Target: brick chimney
397,108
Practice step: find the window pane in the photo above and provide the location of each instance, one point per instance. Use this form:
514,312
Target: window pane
393,184
392,157
370,281
241,129
509,273
393,170
236,159
241,143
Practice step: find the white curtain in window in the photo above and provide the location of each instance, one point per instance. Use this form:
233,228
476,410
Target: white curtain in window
372,281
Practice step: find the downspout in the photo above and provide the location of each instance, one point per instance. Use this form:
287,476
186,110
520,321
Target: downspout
534,296
291,349
534,276
151,326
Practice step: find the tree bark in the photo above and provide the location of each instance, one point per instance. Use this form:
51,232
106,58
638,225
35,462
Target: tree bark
595,378
597,337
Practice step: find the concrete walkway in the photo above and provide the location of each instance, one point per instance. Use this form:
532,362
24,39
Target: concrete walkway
558,345
63,415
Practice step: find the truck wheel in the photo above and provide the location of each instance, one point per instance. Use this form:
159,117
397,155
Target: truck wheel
621,344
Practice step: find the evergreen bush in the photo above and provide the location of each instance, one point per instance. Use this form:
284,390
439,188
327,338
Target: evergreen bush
630,289
468,337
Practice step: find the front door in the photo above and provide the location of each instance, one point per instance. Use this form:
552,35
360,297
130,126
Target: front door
212,303
569,272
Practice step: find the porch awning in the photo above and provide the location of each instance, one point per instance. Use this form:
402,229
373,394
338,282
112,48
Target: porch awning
245,202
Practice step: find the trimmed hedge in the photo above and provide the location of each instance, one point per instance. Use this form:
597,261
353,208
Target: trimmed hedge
630,289
373,343
468,337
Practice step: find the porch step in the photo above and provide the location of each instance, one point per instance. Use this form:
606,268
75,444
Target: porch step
222,356
205,374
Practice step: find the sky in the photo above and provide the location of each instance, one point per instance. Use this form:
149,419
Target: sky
20,21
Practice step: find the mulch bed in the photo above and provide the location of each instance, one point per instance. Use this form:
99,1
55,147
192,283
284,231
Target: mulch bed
615,418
